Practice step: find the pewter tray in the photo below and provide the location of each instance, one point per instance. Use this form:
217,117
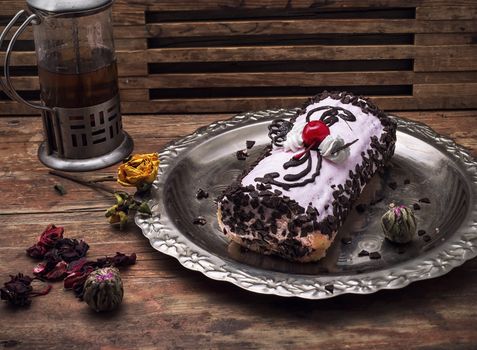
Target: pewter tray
437,169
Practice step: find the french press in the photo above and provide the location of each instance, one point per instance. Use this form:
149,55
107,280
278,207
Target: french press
79,92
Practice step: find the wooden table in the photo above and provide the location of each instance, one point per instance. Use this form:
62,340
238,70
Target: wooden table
169,307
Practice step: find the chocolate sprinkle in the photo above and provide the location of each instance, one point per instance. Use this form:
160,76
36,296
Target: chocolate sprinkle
249,144
330,288
241,155
201,194
374,255
426,238
407,181
200,220
425,200
363,253
416,206
421,232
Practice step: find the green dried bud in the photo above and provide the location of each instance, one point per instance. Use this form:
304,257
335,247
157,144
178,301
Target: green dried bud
144,208
399,224
111,211
121,197
103,289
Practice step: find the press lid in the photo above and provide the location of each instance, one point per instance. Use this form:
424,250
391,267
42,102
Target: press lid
71,7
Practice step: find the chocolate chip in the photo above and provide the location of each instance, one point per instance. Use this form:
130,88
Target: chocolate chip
363,253
361,208
241,155
374,255
407,181
425,200
426,238
201,194
421,232
330,288
392,185
200,220
249,144
346,240
416,206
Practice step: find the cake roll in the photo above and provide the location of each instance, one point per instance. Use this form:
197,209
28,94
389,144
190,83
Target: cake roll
291,201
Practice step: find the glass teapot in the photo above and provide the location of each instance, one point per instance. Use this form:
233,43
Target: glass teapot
79,93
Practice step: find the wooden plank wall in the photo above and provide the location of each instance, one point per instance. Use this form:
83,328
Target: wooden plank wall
208,56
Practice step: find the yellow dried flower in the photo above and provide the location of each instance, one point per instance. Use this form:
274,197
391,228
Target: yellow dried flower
139,171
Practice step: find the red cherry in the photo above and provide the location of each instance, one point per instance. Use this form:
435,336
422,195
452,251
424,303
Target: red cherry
315,132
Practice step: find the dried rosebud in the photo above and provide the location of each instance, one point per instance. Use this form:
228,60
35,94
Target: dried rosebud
37,251
399,224
50,236
18,291
121,197
103,289
117,216
140,171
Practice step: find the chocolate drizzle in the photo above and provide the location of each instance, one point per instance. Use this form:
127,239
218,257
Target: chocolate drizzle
331,115
277,131
292,178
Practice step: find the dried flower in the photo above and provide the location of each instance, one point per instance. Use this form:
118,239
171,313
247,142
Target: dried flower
103,289
140,171
18,291
57,272
50,236
46,241
119,260
79,270
399,224
71,249
119,212
37,251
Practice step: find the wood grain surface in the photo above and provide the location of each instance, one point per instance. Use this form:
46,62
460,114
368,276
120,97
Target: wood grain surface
169,307
200,56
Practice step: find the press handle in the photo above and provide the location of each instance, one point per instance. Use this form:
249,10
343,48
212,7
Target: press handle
7,83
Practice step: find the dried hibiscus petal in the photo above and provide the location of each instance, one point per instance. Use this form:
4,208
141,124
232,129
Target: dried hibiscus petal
71,249
77,278
18,291
51,235
57,272
37,251
118,260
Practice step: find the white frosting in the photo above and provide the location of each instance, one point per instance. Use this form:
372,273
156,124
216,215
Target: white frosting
329,146
319,193
294,140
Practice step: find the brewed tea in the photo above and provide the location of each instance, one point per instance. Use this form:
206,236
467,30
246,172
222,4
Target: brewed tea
69,90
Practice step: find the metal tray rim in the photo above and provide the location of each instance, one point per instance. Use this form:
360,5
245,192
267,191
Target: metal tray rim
166,238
